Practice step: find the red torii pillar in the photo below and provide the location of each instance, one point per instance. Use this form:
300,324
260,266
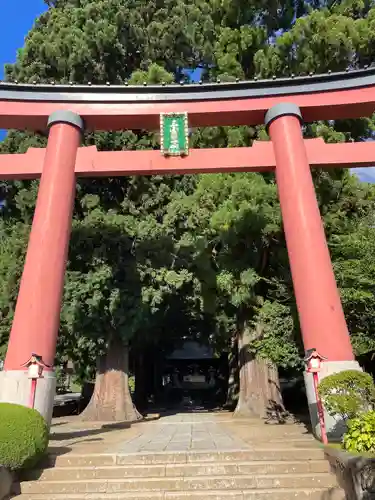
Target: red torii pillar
321,315
37,315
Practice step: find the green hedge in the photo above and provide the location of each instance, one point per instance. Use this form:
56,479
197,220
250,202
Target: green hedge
23,436
348,393
360,436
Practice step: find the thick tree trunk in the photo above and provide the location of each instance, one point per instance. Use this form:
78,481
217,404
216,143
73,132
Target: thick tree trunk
259,392
249,400
276,412
233,376
111,400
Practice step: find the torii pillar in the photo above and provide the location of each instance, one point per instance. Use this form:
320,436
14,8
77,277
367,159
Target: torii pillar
37,315
321,315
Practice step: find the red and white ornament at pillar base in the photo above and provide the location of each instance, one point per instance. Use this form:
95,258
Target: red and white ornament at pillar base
35,366
313,362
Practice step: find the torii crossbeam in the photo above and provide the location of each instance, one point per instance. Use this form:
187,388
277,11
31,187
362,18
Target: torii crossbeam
260,157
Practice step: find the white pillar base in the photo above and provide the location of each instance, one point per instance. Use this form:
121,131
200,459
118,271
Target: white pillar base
335,426
15,388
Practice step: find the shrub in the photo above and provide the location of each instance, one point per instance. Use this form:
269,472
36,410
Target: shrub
347,393
23,436
360,436
132,384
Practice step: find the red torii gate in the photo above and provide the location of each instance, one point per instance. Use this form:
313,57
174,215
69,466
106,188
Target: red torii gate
68,110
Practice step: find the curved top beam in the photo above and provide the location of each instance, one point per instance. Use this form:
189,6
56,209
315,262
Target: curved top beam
254,89
329,96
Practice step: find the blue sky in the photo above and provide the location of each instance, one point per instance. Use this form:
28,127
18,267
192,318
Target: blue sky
17,17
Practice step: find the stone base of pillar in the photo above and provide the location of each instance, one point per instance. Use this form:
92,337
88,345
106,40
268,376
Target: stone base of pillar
335,426
15,388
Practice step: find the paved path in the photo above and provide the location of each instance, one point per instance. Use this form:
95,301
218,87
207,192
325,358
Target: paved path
183,432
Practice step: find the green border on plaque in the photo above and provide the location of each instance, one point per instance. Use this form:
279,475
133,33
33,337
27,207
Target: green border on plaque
174,134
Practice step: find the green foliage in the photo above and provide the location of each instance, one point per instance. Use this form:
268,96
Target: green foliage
277,341
355,273
60,377
107,40
23,436
13,238
347,393
132,384
360,436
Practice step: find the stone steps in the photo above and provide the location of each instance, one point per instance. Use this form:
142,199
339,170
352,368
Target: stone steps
259,494
178,470
232,482
261,470
249,455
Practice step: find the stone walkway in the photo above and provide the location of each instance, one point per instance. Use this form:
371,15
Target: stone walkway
183,432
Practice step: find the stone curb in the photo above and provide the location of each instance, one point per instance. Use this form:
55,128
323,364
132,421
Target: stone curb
355,474
6,482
